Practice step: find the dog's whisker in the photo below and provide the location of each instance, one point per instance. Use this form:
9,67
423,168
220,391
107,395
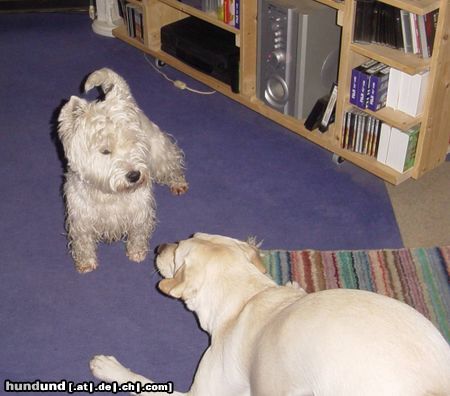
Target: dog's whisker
154,272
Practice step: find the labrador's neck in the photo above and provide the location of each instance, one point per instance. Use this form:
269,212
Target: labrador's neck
220,302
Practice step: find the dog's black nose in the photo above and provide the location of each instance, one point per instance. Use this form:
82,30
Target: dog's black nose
133,176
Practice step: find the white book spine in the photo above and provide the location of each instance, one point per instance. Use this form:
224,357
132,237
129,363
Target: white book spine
383,145
398,146
403,92
412,93
393,88
415,42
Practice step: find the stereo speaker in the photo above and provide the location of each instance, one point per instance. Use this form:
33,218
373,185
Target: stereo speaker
298,54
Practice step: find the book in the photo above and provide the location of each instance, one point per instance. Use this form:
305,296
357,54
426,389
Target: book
345,128
360,132
412,92
226,12
402,148
414,33
316,114
138,24
380,23
359,82
363,31
375,137
406,31
134,21
355,80
220,10
378,87
393,88
424,47
122,9
383,144
398,29
328,115
129,19
365,74
434,15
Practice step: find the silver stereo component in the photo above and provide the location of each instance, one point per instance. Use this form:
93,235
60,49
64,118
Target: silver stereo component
298,54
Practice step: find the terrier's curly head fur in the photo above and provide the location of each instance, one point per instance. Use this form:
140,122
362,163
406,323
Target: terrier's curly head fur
105,143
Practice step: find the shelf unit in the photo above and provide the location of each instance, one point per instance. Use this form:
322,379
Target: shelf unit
435,120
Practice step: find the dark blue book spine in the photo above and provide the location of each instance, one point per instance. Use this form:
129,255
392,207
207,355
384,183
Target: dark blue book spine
354,86
378,90
373,89
363,85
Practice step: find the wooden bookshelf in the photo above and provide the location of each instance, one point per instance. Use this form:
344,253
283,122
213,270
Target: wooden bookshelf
419,7
435,120
408,63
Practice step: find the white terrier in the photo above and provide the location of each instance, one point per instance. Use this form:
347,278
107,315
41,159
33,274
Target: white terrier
114,155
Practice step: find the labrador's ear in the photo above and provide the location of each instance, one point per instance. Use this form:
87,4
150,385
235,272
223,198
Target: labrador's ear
183,283
174,286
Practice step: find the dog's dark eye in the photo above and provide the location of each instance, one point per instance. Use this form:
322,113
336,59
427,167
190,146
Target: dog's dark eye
105,152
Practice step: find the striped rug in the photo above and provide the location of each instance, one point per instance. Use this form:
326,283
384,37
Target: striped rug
419,277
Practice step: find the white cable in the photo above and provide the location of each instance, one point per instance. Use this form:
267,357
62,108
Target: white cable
177,83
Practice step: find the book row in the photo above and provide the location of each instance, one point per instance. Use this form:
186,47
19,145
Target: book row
380,23
226,10
134,20
375,85
367,135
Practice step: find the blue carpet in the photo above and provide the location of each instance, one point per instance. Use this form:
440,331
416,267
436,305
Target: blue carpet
247,175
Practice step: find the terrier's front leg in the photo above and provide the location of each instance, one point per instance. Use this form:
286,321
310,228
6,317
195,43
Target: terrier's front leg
179,186
83,252
137,244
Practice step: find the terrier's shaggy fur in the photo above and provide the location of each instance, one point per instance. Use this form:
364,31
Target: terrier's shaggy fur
114,155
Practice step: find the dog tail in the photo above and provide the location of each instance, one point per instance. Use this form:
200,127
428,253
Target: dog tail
110,83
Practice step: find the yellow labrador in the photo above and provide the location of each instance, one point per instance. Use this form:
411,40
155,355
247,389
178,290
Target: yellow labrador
275,340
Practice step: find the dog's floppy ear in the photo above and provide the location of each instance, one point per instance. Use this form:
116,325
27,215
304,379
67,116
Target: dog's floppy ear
179,286
182,285
174,286
69,113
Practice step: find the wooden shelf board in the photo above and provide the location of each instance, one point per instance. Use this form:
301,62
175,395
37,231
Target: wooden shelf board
395,118
122,34
373,166
208,17
338,5
408,63
419,7
328,142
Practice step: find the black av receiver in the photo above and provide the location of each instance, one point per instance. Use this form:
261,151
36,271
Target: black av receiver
204,47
